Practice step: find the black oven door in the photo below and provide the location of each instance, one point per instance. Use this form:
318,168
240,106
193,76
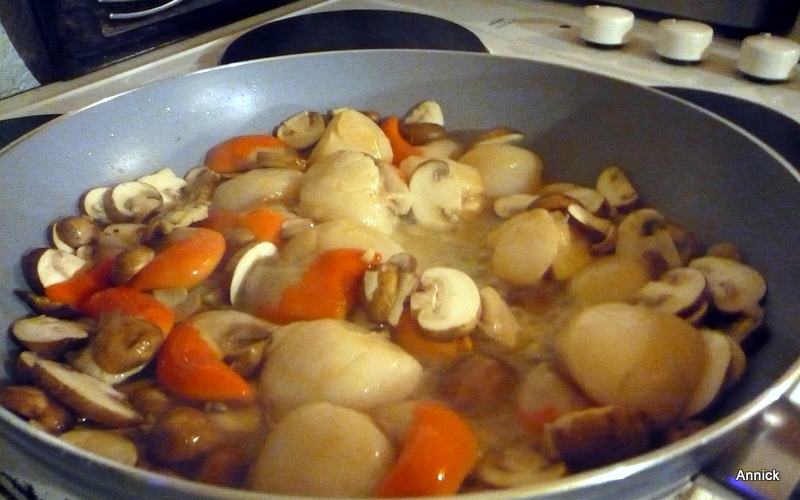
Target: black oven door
82,36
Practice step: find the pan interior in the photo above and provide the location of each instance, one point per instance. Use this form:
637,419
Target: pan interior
689,164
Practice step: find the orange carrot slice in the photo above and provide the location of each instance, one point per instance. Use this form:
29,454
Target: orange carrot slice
238,154
189,367
264,224
327,289
401,149
409,335
188,259
129,302
438,451
78,288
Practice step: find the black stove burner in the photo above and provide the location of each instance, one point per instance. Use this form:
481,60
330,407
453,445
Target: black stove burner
776,130
14,128
352,29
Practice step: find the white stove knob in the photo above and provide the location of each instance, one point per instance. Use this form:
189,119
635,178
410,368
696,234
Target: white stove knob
767,57
682,41
606,26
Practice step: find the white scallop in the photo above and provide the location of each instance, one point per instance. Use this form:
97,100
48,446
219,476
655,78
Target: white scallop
323,450
346,184
336,362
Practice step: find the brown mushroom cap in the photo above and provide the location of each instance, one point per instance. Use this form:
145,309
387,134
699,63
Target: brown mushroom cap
86,395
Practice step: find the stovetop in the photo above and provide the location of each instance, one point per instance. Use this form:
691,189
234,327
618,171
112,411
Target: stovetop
537,30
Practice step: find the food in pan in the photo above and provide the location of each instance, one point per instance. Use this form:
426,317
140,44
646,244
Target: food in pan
364,305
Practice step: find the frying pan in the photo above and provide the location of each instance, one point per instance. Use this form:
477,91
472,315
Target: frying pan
693,166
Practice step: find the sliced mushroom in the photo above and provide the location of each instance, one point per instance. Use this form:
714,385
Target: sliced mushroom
87,396
518,465
93,206
554,202
735,287
40,304
687,243
132,201
169,185
302,129
478,384
130,261
436,195
175,216
280,157
744,328
49,337
387,286
617,189
181,301
249,257
418,134
497,135
681,291
448,303
129,233
725,250
200,183
513,204
398,195
181,434
125,343
737,365
644,234
589,438
44,267
497,321
34,404
425,112
230,330
591,199
573,252
83,361
74,232
597,229
106,444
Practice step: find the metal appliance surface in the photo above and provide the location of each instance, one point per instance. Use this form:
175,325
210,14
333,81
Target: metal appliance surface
753,15
83,36
538,30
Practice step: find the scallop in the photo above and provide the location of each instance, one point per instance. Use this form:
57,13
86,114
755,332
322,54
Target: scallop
351,130
335,362
346,184
505,168
323,450
257,186
634,357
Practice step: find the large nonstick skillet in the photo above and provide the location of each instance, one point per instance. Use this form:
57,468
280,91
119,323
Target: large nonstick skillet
695,167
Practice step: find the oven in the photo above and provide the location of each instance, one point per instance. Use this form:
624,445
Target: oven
82,36
144,41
